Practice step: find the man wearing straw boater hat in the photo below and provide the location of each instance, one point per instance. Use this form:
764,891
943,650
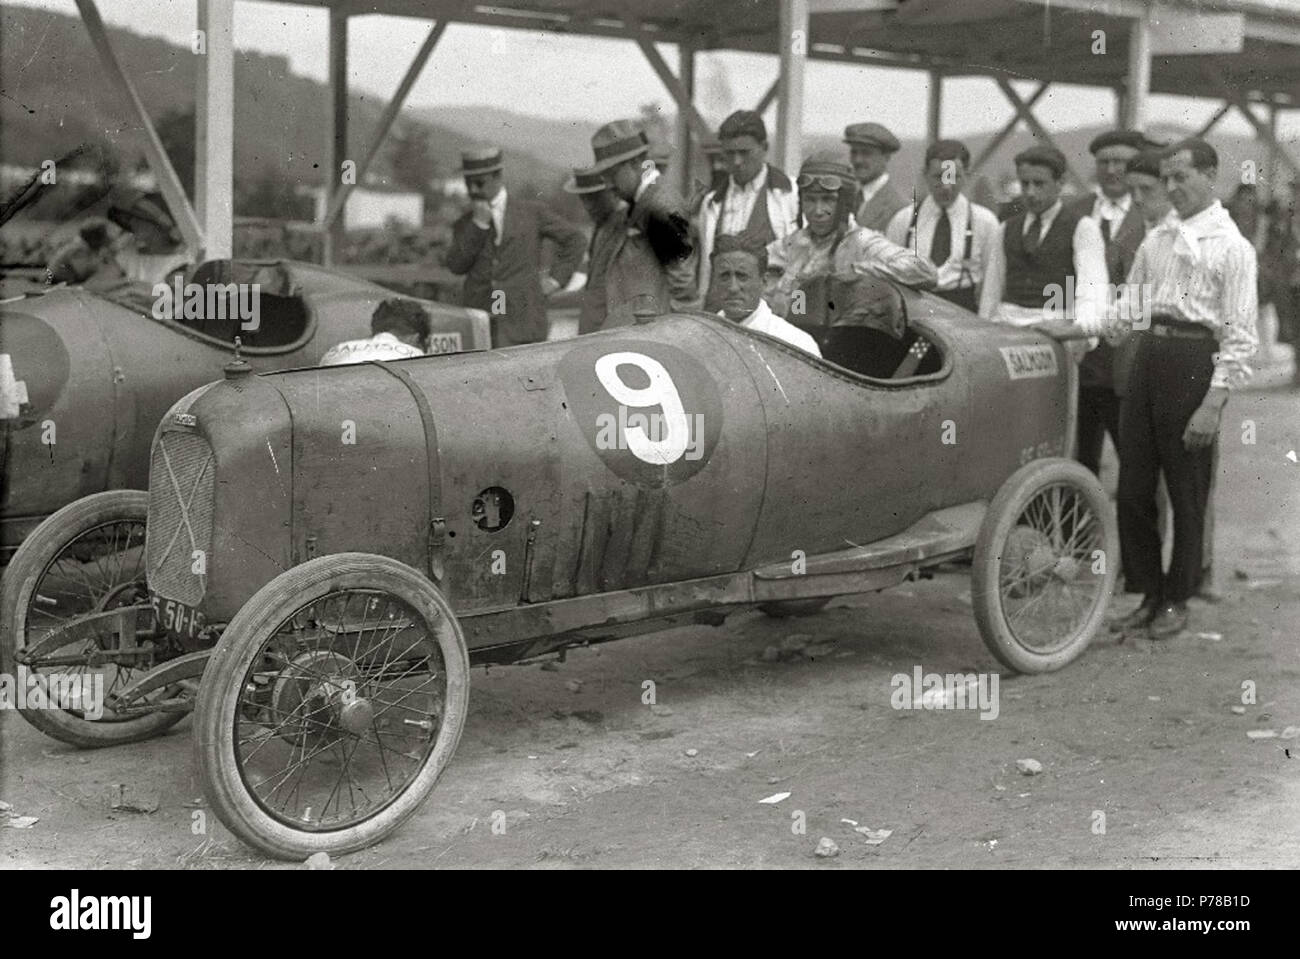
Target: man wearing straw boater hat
497,246
651,267
608,215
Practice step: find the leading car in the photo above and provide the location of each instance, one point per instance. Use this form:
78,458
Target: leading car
329,550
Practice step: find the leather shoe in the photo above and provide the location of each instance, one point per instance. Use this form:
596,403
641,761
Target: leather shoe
1169,621
1138,619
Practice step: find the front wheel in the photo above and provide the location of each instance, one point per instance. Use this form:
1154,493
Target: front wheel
332,704
1044,565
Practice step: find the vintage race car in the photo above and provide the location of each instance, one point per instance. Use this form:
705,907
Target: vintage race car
85,377
329,550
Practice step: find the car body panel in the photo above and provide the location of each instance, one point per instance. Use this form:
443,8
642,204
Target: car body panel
126,368
762,451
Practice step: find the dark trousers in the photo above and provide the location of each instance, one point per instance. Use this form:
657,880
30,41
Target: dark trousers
1169,381
1098,415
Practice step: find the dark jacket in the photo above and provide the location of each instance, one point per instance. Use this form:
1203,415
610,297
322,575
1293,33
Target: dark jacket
604,241
652,257
505,279
1097,369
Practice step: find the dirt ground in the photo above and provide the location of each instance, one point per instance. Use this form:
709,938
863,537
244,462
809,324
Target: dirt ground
1140,733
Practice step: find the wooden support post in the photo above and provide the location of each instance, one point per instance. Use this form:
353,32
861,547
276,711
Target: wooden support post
684,160
168,182
766,100
1235,97
214,128
1137,88
935,105
792,42
1024,113
991,147
386,120
1214,120
338,129
679,93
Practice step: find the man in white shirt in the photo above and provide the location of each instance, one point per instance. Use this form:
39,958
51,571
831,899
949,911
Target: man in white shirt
1051,263
756,200
739,267
399,329
958,236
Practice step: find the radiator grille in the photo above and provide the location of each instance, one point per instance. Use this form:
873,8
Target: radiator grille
181,479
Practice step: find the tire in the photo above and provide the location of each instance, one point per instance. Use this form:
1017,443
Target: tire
292,606
1019,564
783,608
53,552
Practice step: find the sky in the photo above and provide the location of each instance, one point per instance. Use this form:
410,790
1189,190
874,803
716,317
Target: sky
598,79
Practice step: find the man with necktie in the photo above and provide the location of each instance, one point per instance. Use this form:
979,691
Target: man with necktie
497,244
959,235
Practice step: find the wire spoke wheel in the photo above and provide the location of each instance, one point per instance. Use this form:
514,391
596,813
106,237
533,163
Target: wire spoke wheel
332,704
1043,570
87,558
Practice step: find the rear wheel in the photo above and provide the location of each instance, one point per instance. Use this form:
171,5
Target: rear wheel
331,706
87,558
1044,566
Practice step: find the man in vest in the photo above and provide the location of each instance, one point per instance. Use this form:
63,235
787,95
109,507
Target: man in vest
1051,261
757,201
496,245
957,235
1120,221
608,216
870,147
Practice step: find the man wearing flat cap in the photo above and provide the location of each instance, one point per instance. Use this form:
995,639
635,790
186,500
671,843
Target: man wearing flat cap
1111,205
497,247
1050,263
870,148
757,201
651,262
608,215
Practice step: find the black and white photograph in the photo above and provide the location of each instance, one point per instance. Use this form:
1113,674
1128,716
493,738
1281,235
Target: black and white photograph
692,435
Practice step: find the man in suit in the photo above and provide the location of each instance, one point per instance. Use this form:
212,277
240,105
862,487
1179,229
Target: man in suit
608,215
497,246
870,148
1111,205
757,201
651,266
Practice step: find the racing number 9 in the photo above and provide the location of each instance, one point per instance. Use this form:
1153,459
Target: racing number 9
674,429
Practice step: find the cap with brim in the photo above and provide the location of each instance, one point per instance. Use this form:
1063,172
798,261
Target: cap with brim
871,134
618,141
477,162
1127,138
585,180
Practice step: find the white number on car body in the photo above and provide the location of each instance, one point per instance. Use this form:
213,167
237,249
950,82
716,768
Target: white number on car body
672,438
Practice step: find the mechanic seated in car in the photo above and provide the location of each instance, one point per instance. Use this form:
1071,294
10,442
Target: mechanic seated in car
399,328
832,242
738,268
88,259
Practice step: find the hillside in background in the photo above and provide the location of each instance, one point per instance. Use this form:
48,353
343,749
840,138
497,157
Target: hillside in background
57,97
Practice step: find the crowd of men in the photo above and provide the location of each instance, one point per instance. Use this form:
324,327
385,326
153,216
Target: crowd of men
1150,266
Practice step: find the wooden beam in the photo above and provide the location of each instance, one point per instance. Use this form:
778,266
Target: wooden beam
338,129
679,93
168,182
934,105
991,147
214,128
1137,86
793,41
766,99
386,120
1025,114
1214,120
685,155
1235,97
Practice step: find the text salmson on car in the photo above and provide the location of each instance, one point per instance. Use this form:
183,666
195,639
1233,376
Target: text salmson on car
329,550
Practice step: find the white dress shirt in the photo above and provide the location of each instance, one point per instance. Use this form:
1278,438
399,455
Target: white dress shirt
984,237
1202,270
498,204
1111,211
1090,308
871,189
738,204
765,321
